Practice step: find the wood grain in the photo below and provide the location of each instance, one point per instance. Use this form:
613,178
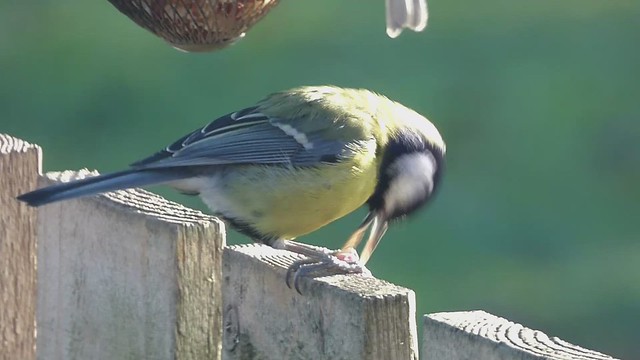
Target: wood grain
482,336
19,169
337,317
128,275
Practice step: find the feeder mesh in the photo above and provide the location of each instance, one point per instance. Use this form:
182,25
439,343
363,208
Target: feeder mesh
190,24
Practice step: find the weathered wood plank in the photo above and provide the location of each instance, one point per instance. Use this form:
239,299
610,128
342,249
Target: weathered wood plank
482,336
337,317
128,275
19,169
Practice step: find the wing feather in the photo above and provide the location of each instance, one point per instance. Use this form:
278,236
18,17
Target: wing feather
247,137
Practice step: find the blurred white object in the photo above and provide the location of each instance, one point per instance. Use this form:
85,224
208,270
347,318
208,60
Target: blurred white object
410,14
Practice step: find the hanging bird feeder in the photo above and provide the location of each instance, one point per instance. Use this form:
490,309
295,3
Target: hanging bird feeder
196,25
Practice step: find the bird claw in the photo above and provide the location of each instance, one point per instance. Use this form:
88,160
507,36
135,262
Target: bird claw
333,263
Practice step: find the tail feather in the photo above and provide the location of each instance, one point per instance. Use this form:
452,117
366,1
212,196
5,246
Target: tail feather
99,184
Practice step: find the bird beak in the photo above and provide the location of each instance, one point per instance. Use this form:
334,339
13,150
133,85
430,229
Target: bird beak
379,227
356,237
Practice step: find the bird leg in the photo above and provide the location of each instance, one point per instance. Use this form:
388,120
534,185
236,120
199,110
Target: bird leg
319,261
322,261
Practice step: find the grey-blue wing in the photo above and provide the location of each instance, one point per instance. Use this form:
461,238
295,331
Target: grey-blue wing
246,137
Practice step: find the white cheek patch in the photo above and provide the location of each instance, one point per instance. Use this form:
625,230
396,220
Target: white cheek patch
411,180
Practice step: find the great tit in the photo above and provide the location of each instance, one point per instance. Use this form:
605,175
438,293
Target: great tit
292,163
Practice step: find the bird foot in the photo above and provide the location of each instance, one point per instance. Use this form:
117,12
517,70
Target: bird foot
349,255
324,264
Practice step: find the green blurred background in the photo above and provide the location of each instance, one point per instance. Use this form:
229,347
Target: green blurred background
539,216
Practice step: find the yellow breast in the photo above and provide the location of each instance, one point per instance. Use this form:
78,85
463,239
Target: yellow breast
292,202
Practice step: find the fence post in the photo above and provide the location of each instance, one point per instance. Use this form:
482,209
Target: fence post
19,169
481,336
131,275
127,275
336,317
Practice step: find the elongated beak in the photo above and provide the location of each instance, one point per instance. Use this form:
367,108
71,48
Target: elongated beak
379,226
356,237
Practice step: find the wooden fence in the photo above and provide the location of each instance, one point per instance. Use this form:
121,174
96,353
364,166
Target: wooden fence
130,275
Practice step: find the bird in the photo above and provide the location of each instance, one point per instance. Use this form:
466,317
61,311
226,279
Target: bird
292,163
